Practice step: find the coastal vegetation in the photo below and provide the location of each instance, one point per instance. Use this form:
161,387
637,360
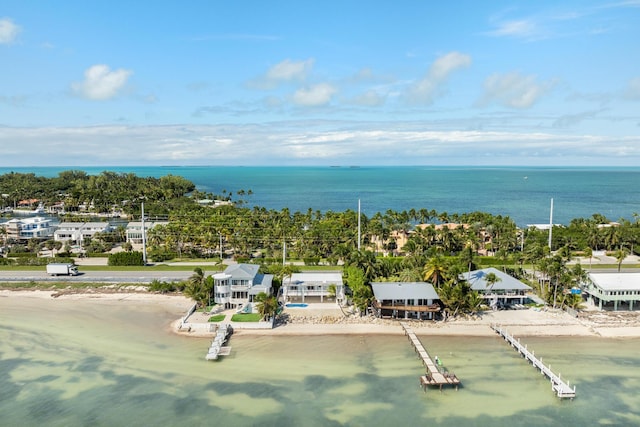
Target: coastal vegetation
414,245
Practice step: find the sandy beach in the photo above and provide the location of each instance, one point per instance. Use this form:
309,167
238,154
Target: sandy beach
328,319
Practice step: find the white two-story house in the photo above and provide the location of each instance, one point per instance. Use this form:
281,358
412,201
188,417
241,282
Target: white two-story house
313,287
79,231
239,284
22,229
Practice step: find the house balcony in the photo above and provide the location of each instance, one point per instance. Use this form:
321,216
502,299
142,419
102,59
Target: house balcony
223,288
431,308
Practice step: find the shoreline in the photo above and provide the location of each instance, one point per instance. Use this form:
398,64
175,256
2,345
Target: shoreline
327,321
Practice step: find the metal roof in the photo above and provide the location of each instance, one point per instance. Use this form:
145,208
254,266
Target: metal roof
329,277
477,280
616,281
403,290
242,271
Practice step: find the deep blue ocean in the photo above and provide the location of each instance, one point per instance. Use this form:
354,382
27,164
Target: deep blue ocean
522,193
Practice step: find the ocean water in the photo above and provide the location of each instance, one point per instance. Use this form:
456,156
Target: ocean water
87,363
524,194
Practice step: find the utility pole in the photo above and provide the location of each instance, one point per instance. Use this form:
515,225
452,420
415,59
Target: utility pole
358,225
284,252
144,239
550,225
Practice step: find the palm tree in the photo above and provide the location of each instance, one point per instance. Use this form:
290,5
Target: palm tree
467,256
491,279
199,287
588,252
620,255
267,305
435,271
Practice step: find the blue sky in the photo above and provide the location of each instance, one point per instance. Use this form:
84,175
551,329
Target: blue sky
111,83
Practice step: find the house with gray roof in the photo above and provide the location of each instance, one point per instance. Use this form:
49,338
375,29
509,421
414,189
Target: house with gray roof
239,284
405,300
313,287
507,290
613,290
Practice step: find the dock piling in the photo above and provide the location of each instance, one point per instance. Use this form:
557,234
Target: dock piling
433,376
562,389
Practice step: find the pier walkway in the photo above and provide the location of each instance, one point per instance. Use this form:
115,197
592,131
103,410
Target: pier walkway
562,389
217,348
433,377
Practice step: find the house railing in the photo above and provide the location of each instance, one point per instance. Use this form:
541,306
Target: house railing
431,308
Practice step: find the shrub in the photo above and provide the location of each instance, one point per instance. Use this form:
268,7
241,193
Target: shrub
22,254
165,287
159,255
126,258
42,261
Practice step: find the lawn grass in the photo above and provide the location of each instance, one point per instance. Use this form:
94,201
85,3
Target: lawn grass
217,318
246,317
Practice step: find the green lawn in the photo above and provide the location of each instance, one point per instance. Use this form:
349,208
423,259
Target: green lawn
217,318
246,317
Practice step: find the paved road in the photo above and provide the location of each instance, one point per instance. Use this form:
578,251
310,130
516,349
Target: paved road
97,276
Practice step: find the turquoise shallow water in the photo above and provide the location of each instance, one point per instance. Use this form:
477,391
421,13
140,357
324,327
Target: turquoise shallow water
521,193
77,363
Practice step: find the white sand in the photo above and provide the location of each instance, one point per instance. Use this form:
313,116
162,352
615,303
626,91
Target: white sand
326,319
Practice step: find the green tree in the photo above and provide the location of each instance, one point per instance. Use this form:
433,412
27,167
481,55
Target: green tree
491,280
459,299
435,271
199,288
267,305
361,291
620,255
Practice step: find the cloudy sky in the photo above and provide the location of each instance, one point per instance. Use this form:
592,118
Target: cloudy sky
336,83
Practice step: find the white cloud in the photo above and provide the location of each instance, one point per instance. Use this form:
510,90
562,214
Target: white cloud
8,31
514,90
313,96
370,98
304,142
101,83
633,89
428,88
523,28
288,70
284,72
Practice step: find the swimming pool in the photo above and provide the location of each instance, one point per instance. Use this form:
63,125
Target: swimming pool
296,305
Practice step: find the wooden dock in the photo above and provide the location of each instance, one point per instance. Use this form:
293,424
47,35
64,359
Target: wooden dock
433,376
217,349
558,386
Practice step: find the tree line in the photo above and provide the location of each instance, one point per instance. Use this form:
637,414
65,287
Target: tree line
417,244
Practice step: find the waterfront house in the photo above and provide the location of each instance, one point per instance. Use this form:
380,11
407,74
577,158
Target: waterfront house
507,290
79,231
613,290
23,229
313,287
239,284
405,300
